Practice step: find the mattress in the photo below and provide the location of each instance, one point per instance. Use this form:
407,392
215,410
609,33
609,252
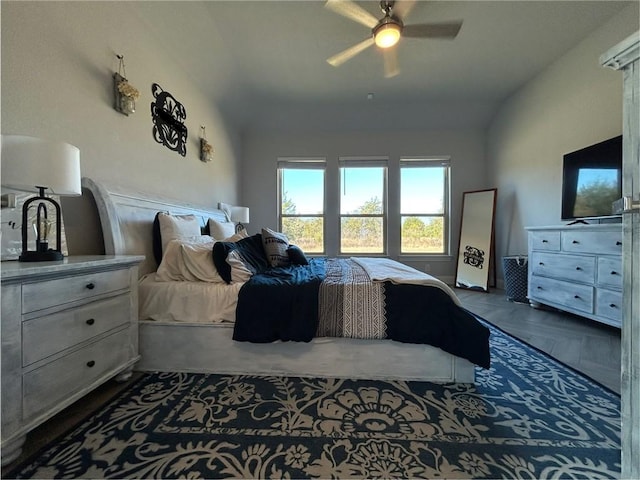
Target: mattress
188,302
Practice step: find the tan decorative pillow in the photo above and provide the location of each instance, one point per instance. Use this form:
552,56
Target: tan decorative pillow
221,230
177,227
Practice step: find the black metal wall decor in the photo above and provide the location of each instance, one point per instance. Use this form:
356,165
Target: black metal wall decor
168,117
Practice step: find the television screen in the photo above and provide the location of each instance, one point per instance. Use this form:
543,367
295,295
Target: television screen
592,180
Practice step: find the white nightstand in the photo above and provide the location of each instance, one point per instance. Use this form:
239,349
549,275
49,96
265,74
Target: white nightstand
67,327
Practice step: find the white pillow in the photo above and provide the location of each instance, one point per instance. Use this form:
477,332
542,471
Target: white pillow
221,230
275,246
198,261
170,268
237,236
177,226
240,271
189,260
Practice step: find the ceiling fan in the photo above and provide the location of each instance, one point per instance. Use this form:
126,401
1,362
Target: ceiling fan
387,31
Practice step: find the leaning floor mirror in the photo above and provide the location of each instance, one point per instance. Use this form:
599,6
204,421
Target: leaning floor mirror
475,262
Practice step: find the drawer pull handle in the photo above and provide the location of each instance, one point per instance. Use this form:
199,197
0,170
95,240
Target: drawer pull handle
541,263
91,286
545,241
576,296
578,268
575,241
613,305
618,243
91,363
539,287
613,272
91,321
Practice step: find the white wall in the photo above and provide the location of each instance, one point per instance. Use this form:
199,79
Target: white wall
58,59
572,104
259,175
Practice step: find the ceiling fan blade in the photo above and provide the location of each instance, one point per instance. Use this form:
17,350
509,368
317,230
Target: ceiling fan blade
432,30
339,58
402,8
391,68
351,10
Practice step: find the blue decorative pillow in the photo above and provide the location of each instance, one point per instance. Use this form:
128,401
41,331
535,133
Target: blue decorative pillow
250,249
296,255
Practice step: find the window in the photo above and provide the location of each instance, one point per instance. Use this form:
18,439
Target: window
301,202
363,191
424,206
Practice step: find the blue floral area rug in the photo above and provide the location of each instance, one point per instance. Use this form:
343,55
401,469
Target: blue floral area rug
528,417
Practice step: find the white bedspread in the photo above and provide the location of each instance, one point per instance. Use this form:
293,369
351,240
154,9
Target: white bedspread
387,270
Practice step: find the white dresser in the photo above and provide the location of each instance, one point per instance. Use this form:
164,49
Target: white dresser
578,269
67,327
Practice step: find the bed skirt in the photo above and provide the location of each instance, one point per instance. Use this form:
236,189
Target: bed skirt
201,348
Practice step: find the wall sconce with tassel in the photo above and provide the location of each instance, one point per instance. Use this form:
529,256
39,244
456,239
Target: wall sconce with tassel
125,93
206,149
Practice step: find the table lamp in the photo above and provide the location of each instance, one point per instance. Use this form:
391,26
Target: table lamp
35,165
240,215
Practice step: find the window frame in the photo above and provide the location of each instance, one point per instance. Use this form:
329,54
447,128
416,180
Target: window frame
365,162
304,163
428,162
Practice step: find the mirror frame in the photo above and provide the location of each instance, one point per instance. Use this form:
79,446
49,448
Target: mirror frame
476,247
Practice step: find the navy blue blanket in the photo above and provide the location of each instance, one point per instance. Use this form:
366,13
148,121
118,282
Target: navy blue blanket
282,304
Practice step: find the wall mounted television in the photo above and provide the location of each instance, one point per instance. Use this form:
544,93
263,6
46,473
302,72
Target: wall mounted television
592,180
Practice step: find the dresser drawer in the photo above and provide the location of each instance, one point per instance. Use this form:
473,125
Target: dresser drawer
45,387
50,293
556,292
45,336
610,271
609,304
601,243
545,241
579,268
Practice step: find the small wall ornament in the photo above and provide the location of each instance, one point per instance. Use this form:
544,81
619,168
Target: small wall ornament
168,117
206,149
125,93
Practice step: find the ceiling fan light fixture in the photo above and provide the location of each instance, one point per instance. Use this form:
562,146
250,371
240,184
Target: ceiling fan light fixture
387,35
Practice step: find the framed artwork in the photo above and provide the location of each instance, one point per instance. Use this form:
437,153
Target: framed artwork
168,117
475,261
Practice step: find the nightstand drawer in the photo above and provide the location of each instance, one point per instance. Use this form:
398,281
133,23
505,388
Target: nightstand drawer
45,336
610,271
50,293
609,304
571,295
601,243
545,241
46,386
577,268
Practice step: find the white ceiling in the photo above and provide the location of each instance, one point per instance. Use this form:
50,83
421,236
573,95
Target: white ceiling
266,60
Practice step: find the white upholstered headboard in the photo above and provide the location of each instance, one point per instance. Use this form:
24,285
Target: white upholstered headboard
126,218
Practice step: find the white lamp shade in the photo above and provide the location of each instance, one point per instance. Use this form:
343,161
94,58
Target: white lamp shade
240,214
29,162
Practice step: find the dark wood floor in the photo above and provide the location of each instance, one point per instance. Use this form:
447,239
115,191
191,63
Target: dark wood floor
587,346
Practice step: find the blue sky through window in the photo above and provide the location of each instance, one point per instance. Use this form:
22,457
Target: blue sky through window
422,189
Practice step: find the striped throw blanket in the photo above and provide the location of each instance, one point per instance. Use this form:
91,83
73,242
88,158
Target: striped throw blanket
350,304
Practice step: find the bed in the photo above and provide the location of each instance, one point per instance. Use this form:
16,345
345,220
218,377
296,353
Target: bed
189,326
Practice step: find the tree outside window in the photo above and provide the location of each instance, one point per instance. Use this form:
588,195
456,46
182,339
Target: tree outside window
424,206
363,206
301,205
